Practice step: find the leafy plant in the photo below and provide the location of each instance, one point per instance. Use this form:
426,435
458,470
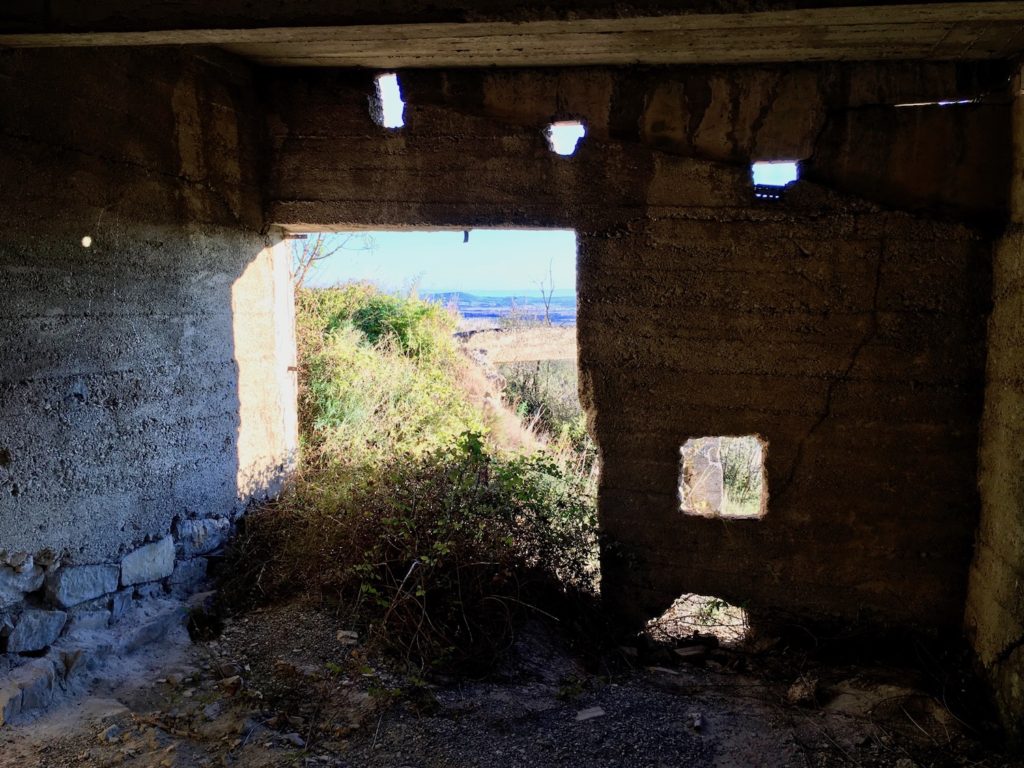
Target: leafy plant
402,512
441,554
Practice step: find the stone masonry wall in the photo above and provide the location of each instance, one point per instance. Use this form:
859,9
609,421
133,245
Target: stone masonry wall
844,324
145,391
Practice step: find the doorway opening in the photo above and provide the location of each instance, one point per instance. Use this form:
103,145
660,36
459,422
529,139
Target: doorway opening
447,487
510,297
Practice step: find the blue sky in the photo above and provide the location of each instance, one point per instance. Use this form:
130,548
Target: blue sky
493,261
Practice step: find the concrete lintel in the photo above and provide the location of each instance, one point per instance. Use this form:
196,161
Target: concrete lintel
927,31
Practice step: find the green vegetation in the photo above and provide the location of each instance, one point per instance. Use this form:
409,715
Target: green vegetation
404,512
378,377
545,394
742,476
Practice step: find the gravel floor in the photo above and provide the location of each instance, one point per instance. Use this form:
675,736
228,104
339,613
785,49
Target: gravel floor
290,686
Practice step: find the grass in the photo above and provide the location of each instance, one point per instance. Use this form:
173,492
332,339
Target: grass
378,376
545,395
405,512
735,464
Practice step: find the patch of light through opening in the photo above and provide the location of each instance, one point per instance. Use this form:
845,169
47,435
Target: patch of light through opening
697,618
723,477
563,137
775,173
389,98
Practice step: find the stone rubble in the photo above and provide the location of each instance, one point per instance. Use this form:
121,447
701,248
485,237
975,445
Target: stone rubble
69,611
149,563
18,580
71,585
35,630
200,537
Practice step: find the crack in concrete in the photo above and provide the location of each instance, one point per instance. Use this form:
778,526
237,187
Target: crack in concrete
203,184
844,376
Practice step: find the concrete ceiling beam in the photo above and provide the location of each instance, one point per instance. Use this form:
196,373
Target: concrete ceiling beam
932,31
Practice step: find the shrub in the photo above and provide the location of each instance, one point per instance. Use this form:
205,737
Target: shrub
401,511
440,554
545,393
378,375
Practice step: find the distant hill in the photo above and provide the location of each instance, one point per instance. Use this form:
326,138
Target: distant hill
497,305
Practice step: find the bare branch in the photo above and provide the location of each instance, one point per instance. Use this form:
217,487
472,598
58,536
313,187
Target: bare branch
306,254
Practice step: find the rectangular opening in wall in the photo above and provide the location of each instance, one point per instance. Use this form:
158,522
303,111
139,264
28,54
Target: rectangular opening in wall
439,408
506,298
723,477
771,177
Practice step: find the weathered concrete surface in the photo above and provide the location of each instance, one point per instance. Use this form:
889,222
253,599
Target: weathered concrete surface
850,336
995,606
578,34
139,379
121,15
495,120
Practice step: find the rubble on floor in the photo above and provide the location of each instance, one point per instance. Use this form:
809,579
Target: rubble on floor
297,686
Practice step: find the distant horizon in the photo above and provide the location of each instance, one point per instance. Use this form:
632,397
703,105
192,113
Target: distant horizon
500,294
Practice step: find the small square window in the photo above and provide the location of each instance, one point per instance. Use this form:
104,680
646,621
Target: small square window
723,477
386,106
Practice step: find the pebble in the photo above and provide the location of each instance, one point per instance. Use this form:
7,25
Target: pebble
589,714
110,734
295,739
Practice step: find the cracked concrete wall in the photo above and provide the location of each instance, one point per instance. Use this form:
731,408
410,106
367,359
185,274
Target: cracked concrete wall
143,379
843,324
995,607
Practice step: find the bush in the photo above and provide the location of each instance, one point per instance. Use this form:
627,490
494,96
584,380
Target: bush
545,393
440,555
401,512
378,376
742,475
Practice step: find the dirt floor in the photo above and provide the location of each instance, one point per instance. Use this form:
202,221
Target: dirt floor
293,686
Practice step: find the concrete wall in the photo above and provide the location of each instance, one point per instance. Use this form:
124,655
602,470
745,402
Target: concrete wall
995,608
145,382
848,335
144,379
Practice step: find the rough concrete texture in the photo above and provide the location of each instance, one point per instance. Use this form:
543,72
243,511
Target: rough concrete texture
38,15
123,364
995,606
850,336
